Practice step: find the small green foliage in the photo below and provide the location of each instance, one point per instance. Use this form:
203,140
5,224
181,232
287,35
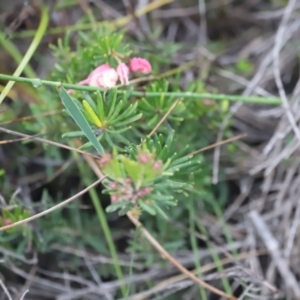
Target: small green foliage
244,66
146,176
12,214
105,45
110,115
155,109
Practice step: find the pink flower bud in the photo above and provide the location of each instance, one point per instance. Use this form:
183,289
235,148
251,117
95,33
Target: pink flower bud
114,198
157,165
128,181
143,157
106,158
123,73
142,65
208,102
145,191
113,185
7,222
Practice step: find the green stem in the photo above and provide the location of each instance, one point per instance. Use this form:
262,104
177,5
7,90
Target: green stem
106,230
102,219
246,99
34,44
195,246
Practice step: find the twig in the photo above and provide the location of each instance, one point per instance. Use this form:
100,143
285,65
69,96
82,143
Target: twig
232,139
46,141
51,209
24,294
5,290
293,231
273,247
164,117
202,37
276,65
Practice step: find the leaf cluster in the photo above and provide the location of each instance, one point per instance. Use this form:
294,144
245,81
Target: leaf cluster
116,123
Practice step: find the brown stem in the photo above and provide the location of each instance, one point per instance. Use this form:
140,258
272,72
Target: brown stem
173,261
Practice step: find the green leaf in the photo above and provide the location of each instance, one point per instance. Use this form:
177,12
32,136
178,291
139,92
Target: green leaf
100,107
88,98
73,134
115,206
160,211
86,146
112,99
130,120
80,119
147,208
129,111
118,108
133,169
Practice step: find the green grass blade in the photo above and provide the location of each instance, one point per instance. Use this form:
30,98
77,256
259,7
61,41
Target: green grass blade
34,44
80,119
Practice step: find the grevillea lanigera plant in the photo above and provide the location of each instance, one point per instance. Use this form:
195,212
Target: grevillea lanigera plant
143,173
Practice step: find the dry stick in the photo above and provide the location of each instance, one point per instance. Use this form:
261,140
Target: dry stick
27,284
276,65
232,139
51,209
273,247
4,142
205,268
46,141
164,117
5,290
24,294
156,244
173,261
45,114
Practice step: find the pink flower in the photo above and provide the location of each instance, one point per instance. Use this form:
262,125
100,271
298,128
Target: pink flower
105,79
142,65
100,68
103,76
123,73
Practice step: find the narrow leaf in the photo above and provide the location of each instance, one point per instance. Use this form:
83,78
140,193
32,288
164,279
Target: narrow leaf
79,119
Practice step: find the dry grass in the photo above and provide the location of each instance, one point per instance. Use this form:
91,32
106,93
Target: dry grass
264,215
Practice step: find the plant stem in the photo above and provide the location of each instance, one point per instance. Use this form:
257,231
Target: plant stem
34,44
191,95
194,245
108,236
